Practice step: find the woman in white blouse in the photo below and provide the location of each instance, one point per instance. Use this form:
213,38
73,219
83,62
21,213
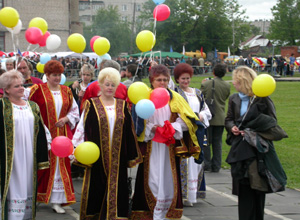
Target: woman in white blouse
192,174
60,114
23,149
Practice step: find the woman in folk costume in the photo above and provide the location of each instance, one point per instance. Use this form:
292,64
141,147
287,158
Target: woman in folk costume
158,186
192,173
106,121
23,149
60,114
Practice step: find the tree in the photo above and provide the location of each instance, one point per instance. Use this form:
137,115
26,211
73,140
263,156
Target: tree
107,23
285,27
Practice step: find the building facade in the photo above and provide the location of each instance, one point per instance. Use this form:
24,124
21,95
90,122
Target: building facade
128,9
62,17
263,25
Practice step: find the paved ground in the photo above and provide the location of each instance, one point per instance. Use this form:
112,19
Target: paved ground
219,204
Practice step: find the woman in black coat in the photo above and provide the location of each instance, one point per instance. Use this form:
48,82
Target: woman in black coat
252,126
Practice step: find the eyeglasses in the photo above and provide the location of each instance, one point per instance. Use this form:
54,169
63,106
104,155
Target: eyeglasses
161,80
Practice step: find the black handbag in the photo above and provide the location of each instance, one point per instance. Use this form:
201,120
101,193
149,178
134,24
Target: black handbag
211,102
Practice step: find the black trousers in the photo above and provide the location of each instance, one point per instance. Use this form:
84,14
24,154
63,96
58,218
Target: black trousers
251,203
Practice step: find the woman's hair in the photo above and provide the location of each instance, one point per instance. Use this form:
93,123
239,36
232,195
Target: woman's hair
7,78
110,74
157,70
181,69
87,68
244,76
53,66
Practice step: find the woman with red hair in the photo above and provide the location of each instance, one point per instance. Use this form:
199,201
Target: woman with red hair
60,114
192,173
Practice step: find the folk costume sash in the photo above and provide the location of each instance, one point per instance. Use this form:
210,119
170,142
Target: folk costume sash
41,94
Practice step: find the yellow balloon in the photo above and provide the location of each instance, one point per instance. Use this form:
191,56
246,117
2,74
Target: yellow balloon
40,67
9,17
145,40
87,152
263,85
39,23
76,42
101,46
138,91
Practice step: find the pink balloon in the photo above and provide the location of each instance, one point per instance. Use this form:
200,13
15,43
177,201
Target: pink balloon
62,146
92,42
33,35
43,40
161,12
160,97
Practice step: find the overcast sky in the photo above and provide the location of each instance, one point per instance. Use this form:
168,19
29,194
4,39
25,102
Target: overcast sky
258,9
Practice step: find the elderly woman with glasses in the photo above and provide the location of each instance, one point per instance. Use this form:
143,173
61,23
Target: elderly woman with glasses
157,189
23,149
192,174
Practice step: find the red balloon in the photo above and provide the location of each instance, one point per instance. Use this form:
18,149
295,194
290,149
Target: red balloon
161,12
62,146
33,35
43,40
160,97
92,42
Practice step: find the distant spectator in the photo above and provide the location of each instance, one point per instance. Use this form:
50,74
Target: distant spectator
132,75
10,64
241,61
195,61
292,63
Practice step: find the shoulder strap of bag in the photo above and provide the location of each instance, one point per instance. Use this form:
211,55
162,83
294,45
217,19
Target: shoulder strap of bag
213,89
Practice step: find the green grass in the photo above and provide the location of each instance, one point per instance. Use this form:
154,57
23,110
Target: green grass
287,102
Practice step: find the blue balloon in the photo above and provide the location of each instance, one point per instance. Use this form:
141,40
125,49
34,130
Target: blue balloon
3,56
63,79
106,57
45,57
145,108
99,60
158,2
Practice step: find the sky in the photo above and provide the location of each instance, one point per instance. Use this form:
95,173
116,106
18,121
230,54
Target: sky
258,9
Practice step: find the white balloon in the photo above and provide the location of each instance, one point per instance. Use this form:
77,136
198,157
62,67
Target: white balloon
53,42
16,29
44,79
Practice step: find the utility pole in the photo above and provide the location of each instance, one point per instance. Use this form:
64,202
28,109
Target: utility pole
132,27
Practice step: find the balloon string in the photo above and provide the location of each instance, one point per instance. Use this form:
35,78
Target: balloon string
35,48
28,47
13,41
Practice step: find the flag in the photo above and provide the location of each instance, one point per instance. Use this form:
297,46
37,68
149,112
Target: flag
19,52
216,54
228,51
201,51
171,49
183,50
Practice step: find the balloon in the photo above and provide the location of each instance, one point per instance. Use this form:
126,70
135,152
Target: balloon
87,153
263,85
39,23
99,60
63,79
160,97
16,29
53,42
40,67
106,57
161,12
62,146
45,57
33,35
44,79
76,42
145,40
9,17
145,108
92,42
138,91
44,38
158,2
101,46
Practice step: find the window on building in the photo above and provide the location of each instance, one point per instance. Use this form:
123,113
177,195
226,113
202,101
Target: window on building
2,36
124,7
97,6
84,18
138,8
124,18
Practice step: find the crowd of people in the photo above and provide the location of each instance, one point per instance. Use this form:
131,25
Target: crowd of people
170,169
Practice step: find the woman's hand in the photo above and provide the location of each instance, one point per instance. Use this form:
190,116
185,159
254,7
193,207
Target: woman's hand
200,117
153,130
61,122
235,130
75,84
81,94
